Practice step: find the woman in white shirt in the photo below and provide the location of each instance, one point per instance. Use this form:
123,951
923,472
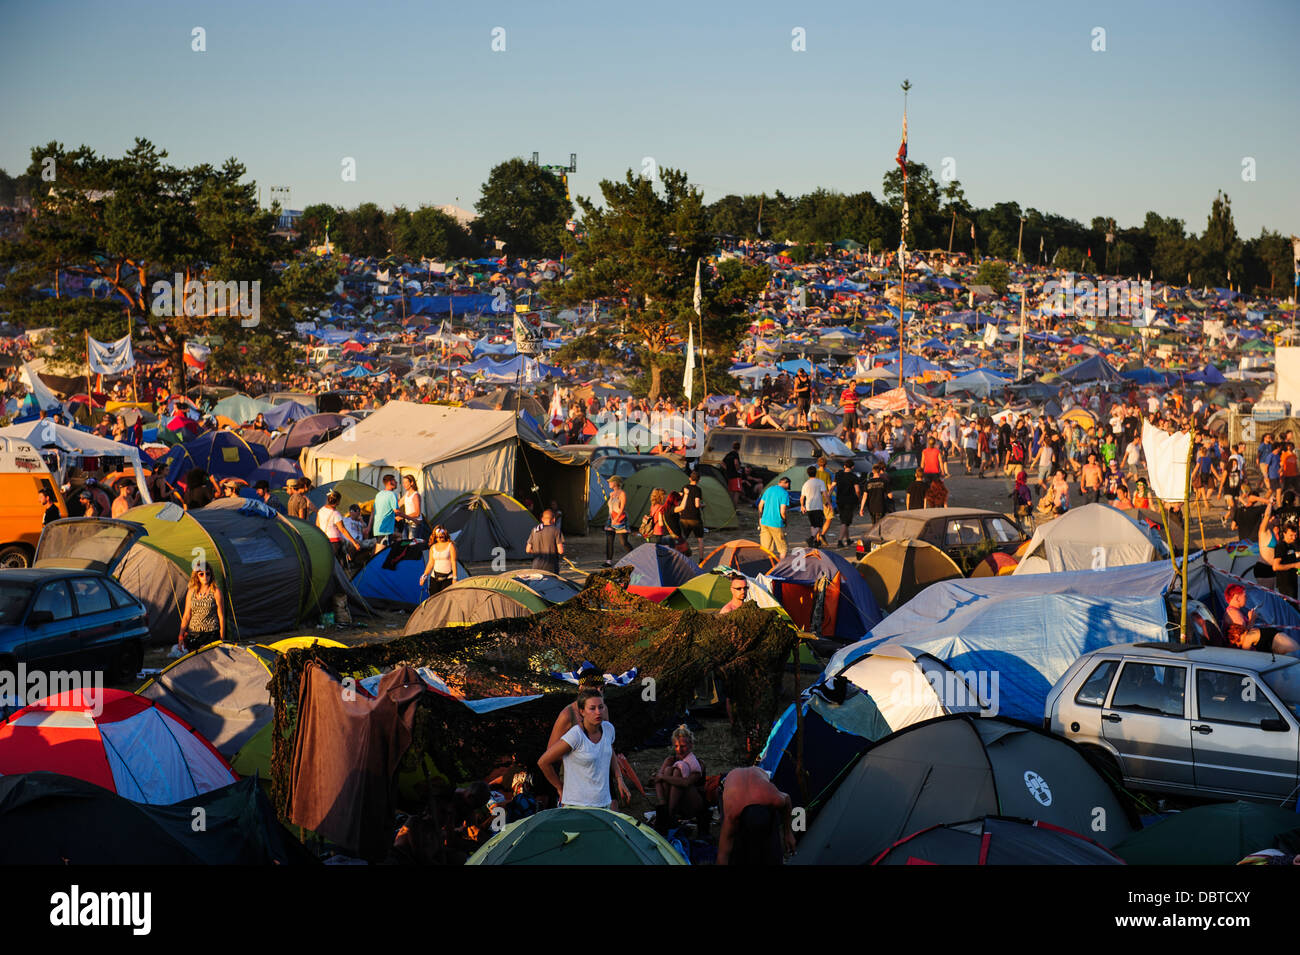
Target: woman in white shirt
330,521
409,509
587,752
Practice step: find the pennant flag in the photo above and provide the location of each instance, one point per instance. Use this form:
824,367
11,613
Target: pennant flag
196,355
699,299
972,232
1167,456
688,380
110,358
557,409
901,159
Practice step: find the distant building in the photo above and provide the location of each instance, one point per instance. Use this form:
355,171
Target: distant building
457,213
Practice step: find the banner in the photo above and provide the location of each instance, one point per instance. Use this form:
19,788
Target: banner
1167,456
688,380
196,355
990,334
528,333
110,358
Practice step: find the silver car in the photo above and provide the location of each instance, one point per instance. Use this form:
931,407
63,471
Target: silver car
1194,720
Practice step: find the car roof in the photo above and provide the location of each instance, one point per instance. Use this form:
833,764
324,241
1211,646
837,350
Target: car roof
926,513
1214,656
37,574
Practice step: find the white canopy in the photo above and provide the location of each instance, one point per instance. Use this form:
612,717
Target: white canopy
43,433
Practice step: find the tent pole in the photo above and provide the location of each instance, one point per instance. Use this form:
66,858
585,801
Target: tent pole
1187,529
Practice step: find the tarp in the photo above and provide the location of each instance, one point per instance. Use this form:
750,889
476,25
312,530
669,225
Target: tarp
1025,632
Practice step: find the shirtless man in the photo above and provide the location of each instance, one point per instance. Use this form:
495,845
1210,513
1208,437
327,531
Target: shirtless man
756,826
739,591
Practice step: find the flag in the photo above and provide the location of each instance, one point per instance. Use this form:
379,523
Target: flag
699,299
1040,243
902,150
990,334
110,358
688,380
1167,456
972,232
1295,250
557,409
196,356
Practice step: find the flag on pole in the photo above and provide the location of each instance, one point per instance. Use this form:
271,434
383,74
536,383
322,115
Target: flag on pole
1040,243
1167,456
110,358
557,409
196,355
1295,250
688,380
972,232
901,159
699,298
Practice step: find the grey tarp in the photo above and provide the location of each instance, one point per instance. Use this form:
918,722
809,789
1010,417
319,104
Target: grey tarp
1091,537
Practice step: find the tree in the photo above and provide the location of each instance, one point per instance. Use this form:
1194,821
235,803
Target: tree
431,233
954,204
1219,252
995,275
922,202
525,207
316,220
640,251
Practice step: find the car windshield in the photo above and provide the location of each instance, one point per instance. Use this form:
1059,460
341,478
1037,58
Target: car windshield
833,445
13,600
1285,682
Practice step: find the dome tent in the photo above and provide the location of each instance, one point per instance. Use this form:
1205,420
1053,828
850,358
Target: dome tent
897,571
657,570
222,454
746,556
1091,537
995,840
573,836
481,522
849,609
475,600
719,512
391,578
126,744
950,769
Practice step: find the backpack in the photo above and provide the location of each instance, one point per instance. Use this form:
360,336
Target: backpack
647,527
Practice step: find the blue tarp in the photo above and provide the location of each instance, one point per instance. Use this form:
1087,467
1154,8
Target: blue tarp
1025,630
399,586
442,304
282,414
1143,376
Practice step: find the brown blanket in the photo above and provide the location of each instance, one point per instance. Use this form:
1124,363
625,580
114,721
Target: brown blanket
345,757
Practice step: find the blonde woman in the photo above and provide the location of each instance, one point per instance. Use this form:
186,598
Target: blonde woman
440,571
679,782
204,620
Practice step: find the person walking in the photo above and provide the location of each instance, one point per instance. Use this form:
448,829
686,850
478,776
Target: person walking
847,492
690,513
440,570
546,544
773,507
616,524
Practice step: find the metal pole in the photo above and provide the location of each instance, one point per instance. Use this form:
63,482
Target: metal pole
1020,364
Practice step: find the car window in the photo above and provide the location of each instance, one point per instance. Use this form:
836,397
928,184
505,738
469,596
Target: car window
1151,688
834,447
964,532
764,446
1002,530
13,601
896,528
1093,691
91,596
804,450
1285,682
55,599
719,442
1232,698
120,597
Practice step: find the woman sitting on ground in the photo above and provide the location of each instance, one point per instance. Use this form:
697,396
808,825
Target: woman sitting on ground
1240,629
679,782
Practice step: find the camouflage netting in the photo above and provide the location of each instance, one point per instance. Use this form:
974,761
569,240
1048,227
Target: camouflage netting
617,631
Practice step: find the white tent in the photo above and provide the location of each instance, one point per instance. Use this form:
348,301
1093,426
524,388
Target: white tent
1092,537
909,685
41,434
453,451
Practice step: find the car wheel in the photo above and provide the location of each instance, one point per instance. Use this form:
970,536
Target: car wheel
15,557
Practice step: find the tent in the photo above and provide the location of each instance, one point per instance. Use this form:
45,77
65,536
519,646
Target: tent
1095,368
475,600
1217,834
848,609
241,408
745,556
273,570
453,451
276,472
956,768
485,520
712,591
80,444
1020,634
572,836
52,819
126,744
221,454
719,512
657,570
979,383
866,701
995,840
1091,537
391,578
308,430
350,492
897,571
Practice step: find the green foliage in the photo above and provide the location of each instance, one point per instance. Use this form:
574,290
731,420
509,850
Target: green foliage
525,207
996,275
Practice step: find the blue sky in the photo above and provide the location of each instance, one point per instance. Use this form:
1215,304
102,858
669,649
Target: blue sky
1012,91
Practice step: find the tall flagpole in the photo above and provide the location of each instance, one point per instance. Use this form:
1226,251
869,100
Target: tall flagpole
902,246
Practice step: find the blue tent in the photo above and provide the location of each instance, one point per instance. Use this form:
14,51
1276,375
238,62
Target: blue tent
885,331
1143,376
857,610
1024,631
391,578
275,472
654,565
1095,368
913,366
221,454
938,344
282,414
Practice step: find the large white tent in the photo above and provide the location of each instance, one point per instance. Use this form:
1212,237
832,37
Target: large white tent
454,451
1092,537
45,433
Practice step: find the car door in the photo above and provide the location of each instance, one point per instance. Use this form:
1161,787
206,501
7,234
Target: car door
1006,537
1231,748
51,627
764,453
803,451
963,535
99,623
1146,721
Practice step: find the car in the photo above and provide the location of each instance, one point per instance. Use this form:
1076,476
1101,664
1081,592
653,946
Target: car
1186,719
966,534
768,453
70,619
609,462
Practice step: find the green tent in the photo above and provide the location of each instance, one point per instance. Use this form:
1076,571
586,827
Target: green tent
475,600
573,836
712,591
240,408
1217,834
717,501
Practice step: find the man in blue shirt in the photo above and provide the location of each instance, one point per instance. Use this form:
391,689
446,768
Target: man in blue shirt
1273,469
384,520
772,507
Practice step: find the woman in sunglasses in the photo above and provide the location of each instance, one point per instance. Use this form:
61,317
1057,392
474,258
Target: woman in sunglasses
440,571
204,620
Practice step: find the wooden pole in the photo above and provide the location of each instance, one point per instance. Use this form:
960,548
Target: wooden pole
1187,528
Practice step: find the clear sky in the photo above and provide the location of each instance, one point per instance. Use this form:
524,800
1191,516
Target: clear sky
1012,92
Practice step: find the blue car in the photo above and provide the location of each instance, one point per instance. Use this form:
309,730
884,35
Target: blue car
70,619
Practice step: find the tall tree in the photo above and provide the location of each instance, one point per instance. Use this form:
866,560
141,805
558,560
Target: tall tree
525,207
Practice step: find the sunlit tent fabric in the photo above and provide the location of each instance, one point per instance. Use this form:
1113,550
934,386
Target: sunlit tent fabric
485,520
848,609
222,454
57,819
979,383
282,415
897,570
306,431
276,473
994,840
1091,537
475,600
391,578
126,744
453,451
711,591
657,570
746,556
953,769
1095,368
273,570
573,836
1220,834
240,408
878,694
1025,631
39,434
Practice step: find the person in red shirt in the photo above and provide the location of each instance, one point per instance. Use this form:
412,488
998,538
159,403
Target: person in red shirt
932,463
849,407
